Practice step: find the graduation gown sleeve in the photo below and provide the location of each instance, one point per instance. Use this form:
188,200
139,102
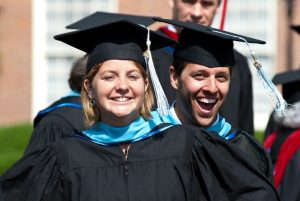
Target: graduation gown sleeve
58,121
227,173
33,178
255,151
289,189
49,129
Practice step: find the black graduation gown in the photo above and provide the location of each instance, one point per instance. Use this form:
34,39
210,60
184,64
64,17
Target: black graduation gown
285,152
289,189
58,123
282,134
180,163
271,125
255,151
238,107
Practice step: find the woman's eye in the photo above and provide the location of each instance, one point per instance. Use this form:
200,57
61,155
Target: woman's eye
108,77
134,76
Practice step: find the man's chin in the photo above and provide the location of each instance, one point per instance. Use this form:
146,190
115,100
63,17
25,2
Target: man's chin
204,122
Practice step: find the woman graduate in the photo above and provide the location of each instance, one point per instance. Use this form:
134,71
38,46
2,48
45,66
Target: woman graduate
124,154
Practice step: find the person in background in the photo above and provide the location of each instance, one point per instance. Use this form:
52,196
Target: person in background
201,74
238,107
64,117
271,125
125,154
284,143
284,124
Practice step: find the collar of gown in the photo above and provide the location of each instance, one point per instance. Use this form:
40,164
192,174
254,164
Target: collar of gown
220,126
139,129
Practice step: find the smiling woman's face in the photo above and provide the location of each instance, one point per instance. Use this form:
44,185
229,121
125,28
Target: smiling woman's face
119,90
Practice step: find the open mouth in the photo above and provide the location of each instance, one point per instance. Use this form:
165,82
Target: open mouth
206,104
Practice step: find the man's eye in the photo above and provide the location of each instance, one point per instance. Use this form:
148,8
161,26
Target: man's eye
189,1
198,75
223,78
208,3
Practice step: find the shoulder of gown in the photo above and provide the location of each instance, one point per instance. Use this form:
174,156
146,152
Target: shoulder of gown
255,150
224,167
31,175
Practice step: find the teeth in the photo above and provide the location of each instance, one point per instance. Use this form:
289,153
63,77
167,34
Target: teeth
121,99
207,100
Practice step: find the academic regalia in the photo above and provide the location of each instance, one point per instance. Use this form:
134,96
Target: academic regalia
100,18
241,139
283,78
173,163
284,143
286,124
271,125
241,84
61,119
289,167
179,163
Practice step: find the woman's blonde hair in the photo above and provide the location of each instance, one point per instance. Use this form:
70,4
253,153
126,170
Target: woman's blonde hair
91,112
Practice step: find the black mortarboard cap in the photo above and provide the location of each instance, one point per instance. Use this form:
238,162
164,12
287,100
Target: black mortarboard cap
296,28
100,18
118,40
206,45
290,82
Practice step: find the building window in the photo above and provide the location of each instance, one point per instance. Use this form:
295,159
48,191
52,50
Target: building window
60,57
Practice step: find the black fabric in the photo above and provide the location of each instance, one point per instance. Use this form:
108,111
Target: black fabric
296,28
100,18
206,45
162,59
289,189
238,106
121,33
255,151
182,163
57,124
106,51
290,81
204,49
286,77
271,125
282,134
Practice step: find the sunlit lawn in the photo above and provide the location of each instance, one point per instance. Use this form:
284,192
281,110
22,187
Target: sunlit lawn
13,140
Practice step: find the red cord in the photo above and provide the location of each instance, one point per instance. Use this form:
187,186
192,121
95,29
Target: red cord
223,14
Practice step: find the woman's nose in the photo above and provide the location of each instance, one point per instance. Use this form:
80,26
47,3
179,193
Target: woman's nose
122,84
